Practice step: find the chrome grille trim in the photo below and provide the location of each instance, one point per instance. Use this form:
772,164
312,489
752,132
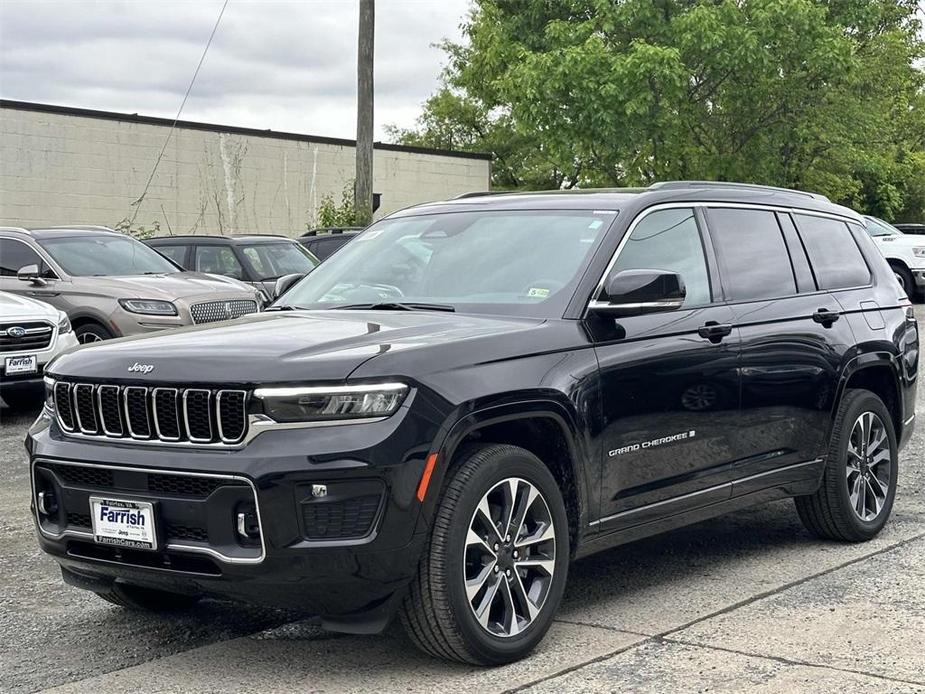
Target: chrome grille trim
176,409
211,311
189,433
102,417
218,415
70,404
80,423
128,417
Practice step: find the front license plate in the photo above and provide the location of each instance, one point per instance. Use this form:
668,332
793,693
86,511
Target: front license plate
21,365
123,523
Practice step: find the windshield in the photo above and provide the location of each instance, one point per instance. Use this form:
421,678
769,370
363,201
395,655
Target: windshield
269,261
94,256
509,262
877,227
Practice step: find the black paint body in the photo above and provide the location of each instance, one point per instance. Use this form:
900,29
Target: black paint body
655,425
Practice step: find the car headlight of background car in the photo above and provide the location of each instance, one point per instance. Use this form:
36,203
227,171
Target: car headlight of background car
64,323
151,307
325,403
919,251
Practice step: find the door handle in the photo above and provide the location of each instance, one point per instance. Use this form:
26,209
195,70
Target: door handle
713,331
825,317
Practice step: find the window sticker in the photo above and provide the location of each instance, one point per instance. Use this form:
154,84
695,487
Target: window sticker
538,292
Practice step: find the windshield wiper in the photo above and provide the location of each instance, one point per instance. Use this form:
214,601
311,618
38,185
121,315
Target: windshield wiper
398,306
287,307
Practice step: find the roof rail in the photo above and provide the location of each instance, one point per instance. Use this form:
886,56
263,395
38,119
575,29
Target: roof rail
328,231
478,194
84,227
19,229
674,185
247,233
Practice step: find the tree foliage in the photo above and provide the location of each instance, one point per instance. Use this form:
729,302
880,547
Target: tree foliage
330,214
817,94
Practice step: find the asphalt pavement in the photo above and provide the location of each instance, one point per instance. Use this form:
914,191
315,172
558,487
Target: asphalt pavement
746,601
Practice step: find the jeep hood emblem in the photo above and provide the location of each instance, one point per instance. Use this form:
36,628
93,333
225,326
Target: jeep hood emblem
141,368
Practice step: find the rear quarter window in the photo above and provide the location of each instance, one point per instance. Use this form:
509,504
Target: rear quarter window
836,260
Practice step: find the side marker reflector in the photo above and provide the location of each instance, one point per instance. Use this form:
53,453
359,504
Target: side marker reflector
425,476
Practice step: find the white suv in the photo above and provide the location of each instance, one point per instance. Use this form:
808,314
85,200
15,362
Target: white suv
904,252
31,333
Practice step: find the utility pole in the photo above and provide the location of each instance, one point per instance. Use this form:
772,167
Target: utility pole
363,185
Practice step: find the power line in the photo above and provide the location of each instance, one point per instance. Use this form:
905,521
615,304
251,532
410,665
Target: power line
137,203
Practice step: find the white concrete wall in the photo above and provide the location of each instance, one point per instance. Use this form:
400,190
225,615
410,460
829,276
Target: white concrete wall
66,169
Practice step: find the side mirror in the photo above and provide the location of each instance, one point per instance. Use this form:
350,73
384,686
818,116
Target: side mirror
30,273
285,283
637,292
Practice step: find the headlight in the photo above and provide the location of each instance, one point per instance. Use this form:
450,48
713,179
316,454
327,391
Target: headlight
64,324
151,307
919,252
320,403
49,394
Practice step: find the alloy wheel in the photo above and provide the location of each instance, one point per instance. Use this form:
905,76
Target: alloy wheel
868,464
87,337
510,557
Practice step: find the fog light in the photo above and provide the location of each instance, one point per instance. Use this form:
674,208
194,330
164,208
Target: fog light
247,525
46,503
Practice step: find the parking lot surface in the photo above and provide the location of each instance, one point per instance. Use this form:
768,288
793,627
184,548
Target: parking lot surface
746,601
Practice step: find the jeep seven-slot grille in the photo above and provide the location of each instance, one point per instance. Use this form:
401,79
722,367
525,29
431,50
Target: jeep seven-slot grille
194,415
210,311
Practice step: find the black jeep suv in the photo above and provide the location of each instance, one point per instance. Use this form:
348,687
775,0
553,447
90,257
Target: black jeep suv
473,393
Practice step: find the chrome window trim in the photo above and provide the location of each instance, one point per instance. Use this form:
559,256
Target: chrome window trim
77,418
702,205
218,414
128,419
170,545
99,410
176,409
189,434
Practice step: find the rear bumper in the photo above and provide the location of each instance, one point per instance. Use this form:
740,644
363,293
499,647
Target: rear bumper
345,555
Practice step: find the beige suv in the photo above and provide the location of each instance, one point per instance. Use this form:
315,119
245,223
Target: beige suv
111,285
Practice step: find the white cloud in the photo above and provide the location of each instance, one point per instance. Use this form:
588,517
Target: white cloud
273,64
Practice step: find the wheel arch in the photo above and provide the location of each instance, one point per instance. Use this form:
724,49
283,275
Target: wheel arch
879,373
542,426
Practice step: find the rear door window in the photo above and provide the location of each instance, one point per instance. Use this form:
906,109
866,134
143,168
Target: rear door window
218,260
752,252
177,254
833,253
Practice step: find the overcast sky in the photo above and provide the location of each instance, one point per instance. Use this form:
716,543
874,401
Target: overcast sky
273,64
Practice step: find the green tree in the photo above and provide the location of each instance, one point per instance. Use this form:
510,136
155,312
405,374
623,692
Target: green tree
816,94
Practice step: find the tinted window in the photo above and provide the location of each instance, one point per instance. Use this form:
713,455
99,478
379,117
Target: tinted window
176,253
833,253
110,255
15,254
755,260
269,261
218,260
669,240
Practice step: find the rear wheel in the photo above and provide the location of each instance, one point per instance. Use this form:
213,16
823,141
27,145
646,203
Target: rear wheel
88,333
904,277
859,483
493,573
147,599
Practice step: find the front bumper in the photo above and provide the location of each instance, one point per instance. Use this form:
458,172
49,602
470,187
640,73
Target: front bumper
345,555
59,343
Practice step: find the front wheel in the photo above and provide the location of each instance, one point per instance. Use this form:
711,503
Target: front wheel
494,570
89,333
855,498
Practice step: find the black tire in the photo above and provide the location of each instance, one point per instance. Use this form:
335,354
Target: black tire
829,513
436,613
88,333
147,599
904,277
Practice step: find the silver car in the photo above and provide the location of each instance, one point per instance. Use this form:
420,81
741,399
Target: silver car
111,285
